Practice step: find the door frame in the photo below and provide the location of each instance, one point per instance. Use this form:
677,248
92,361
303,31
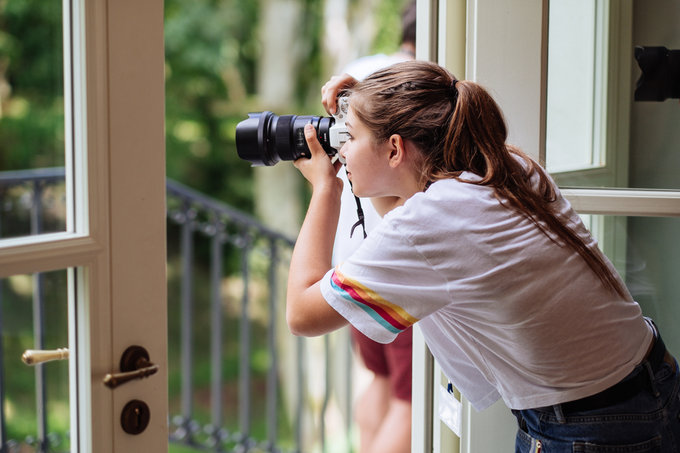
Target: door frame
114,246
125,61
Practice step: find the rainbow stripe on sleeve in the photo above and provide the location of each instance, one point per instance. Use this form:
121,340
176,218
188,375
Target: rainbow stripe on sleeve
392,317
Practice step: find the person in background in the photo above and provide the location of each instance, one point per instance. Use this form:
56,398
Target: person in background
482,251
382,411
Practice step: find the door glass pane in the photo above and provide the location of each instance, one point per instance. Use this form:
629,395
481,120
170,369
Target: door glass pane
31,118
646,252
597,134
34,413
572,86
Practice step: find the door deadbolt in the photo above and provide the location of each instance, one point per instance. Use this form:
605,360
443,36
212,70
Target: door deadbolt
134,364
135,417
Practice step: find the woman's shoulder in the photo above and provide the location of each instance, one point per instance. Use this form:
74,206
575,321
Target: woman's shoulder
462,190
445,201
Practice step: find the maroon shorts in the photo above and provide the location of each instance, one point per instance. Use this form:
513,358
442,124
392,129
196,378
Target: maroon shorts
392,360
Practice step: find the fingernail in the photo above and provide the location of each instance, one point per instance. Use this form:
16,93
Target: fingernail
309,129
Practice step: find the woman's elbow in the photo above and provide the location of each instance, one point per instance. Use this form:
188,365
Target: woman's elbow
301,309
297,323
302,327
309,315
305,323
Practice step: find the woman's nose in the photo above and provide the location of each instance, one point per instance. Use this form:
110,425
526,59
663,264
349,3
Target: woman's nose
342,149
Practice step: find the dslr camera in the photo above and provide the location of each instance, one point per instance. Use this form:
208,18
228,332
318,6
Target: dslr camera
660,78
265,138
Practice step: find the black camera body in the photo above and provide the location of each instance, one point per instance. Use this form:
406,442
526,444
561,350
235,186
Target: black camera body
660,79
265,138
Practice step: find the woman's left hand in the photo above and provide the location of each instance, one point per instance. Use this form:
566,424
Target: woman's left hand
319,170
330,91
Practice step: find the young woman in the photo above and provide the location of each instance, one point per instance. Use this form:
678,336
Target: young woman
511,292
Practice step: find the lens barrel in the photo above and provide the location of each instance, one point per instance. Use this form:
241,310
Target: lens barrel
265,138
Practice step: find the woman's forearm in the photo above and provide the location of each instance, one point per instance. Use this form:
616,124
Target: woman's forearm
307,312
314,247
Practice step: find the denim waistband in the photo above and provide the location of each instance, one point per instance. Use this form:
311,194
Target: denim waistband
640,378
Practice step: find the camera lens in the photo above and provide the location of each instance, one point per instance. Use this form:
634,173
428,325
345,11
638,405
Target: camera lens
265,138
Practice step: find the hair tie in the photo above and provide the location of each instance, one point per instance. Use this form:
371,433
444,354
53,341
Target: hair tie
453,91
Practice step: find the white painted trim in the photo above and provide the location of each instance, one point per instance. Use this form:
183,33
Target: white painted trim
624,202
45,252
67,27
506,54
423,362
452,31
490,430
426,29
422,399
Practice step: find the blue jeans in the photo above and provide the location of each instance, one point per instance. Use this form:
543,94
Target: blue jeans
647,420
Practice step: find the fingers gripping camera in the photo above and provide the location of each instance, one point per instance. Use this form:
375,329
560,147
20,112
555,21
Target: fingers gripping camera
338,131
265,138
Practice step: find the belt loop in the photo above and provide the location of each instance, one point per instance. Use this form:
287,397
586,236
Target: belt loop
559,414
521,422
652,381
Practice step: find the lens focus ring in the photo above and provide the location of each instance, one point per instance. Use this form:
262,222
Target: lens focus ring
283,140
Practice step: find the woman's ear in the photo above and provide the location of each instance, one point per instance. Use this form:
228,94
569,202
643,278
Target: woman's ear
397,150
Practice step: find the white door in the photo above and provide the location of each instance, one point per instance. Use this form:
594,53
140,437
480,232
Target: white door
112,248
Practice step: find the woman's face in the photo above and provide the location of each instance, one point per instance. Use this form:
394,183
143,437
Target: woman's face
367,163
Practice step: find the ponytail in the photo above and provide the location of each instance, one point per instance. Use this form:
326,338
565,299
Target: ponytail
458,127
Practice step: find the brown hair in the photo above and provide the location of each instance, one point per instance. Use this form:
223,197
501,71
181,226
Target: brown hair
458,127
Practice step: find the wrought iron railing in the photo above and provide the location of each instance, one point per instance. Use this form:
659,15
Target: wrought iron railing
239,381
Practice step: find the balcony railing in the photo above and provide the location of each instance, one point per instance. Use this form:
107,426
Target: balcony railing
238,380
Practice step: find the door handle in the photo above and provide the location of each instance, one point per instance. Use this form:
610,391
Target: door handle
134,364
36,356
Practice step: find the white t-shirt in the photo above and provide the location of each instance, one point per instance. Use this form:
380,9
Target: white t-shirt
502,307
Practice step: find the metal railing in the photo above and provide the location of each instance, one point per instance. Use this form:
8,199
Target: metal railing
239,382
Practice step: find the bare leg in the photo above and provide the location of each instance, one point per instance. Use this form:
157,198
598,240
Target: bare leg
370,411
394,434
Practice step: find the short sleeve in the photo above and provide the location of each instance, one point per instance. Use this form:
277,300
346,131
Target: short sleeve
386,286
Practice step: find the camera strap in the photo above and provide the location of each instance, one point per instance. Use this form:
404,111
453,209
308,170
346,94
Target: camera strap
360,213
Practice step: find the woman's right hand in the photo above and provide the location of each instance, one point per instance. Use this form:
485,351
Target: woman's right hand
329,92
319,170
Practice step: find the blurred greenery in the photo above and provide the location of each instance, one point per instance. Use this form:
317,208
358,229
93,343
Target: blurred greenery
388,33
31,85
211,55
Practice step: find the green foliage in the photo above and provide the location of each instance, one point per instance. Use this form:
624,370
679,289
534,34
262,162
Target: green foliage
310,79
211,55
31,84
388,22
